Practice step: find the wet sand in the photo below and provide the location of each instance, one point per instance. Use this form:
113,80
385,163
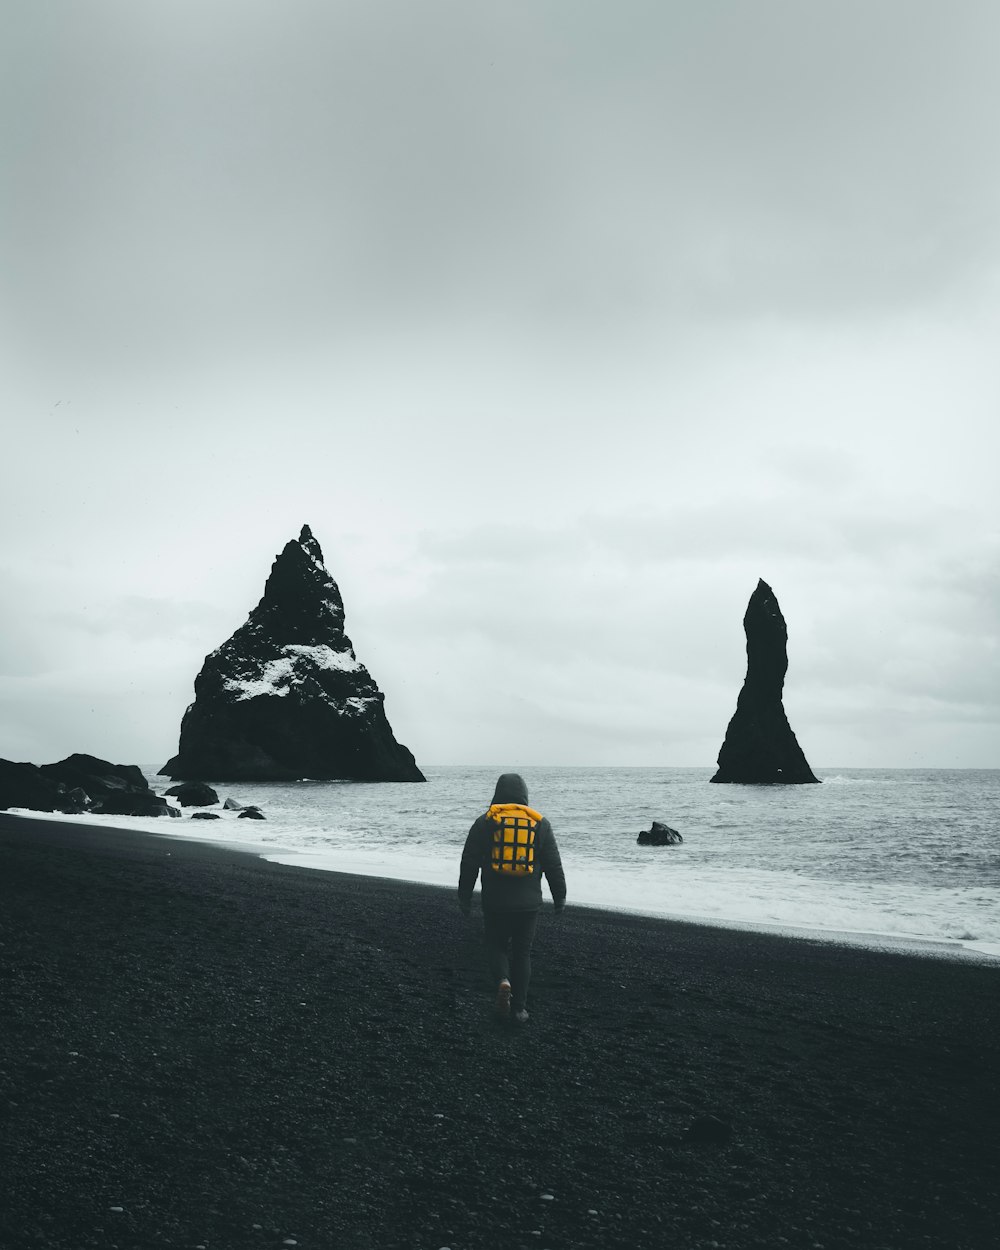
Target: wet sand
238,1054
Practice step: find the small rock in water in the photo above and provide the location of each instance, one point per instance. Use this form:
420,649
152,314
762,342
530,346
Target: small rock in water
547,1197
659,834
116,1208
193,794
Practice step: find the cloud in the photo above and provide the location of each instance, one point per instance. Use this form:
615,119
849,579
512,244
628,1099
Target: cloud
603,318
141,619
186,186
625,633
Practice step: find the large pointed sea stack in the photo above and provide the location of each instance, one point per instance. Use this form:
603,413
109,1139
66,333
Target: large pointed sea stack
760,747
286,697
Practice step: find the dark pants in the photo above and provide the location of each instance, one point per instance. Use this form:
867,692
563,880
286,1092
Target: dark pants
509,935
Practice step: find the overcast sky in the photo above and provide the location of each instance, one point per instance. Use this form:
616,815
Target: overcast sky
560,323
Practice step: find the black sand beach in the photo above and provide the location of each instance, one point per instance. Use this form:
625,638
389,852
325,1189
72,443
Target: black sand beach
202,1049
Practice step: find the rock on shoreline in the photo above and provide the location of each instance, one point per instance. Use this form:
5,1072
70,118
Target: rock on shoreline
80,783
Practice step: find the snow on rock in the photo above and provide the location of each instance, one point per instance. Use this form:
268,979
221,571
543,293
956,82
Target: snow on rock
291,668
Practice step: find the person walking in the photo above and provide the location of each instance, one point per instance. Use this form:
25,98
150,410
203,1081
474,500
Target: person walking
513,847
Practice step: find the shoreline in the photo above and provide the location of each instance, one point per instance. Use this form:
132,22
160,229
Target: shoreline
904,944
202,1048
947,949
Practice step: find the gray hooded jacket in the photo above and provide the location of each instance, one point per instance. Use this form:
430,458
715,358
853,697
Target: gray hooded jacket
502,892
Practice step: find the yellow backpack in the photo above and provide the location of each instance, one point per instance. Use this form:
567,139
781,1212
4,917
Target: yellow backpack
512,852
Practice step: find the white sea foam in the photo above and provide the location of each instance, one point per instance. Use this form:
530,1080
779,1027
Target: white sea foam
880,857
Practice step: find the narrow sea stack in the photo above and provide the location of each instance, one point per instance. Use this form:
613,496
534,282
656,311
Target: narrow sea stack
760,748
286,697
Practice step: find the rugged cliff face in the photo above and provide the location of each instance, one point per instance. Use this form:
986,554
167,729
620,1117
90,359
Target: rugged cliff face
760,747
285,697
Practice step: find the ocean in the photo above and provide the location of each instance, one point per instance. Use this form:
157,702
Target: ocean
893,857
872,855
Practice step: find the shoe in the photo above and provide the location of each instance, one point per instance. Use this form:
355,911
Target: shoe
521,1017
503,999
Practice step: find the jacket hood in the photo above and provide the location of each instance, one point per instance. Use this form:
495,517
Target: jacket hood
511,789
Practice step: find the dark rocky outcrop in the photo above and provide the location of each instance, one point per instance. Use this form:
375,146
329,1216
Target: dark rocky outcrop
25,785
76,784
285,697
131,804
759,746
97,777
205,816
659,834
231,805
251,813
193,794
